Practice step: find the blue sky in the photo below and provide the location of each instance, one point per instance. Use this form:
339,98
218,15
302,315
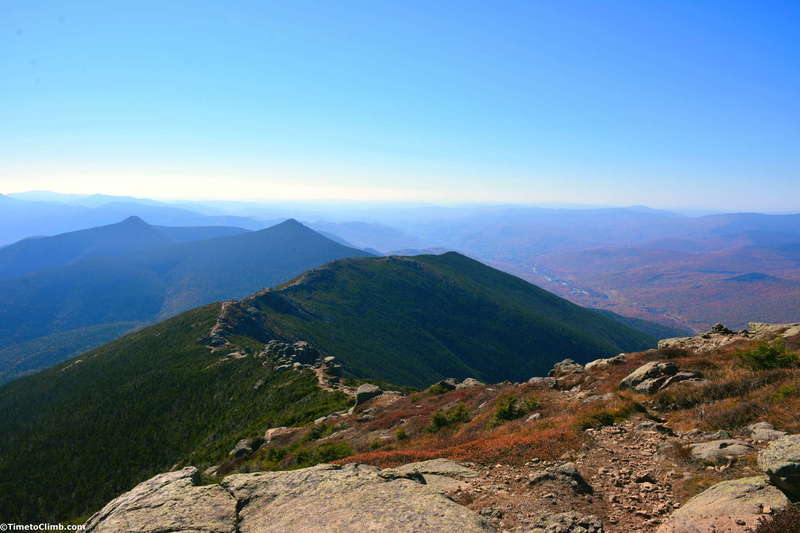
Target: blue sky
661,103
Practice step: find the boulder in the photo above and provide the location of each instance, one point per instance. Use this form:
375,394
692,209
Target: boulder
718,452
766,435
564,368
546,382
565,473
683,375
168,502
245,447
734,506
366,391
345,498
281,436
652,370
570,522
780,460
468,383
720,329
764,432
655,376
605,363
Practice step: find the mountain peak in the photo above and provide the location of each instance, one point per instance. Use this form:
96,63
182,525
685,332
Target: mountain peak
134,220
291,223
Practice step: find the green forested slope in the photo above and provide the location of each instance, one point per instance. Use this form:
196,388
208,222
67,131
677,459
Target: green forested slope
413,320
76,435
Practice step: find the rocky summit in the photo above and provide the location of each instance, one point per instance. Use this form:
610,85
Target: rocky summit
615,445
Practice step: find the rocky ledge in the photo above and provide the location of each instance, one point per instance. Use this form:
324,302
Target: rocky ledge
719,336
325,497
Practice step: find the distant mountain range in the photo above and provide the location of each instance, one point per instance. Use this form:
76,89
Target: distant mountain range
652,264
130,236
23,218
71,292
160,396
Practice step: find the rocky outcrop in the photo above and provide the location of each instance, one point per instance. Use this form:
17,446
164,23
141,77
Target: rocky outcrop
367,391
168,502
442,474
655,376
347,498
780,460
762,330
569,522
469,383
281,436
565,368
545,382
734,506
285,353
718,452
565,473
764,431
598,364
246,447
321,498
720,336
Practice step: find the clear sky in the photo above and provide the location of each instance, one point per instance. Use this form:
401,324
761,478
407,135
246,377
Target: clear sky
663,103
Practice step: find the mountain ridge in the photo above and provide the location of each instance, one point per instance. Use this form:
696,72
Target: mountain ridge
155,283
325,305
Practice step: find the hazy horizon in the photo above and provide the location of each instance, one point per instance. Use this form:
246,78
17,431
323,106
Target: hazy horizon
345,203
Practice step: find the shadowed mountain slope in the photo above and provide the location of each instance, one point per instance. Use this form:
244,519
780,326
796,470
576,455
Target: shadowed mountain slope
28,255
130,236
156,283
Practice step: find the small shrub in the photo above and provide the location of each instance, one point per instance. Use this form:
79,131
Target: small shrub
677,451
608,416
597,419
673,352
438,389
452,416
324,453
510,408
677,398
374,445
784,521
275,455
414,398
400,434
201,478
731,417
318,431
769,356
785,392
